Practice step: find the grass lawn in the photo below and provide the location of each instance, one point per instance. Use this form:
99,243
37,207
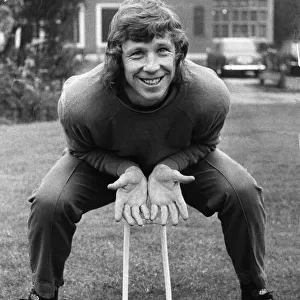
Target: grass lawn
263,138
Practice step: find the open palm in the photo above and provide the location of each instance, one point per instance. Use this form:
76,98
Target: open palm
165,193
131,196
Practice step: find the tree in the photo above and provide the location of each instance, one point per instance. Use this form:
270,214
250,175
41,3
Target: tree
50,18
287,21
50,15
6,26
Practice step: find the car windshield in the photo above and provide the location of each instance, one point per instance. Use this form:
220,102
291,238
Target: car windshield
242,47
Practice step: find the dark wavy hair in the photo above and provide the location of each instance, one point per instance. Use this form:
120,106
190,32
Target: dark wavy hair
141,21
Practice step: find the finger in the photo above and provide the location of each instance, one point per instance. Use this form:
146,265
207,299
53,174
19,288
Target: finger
154,211
173,213
145,211
183,178
118,210
164,215
127,215
182,207
135,211
121,182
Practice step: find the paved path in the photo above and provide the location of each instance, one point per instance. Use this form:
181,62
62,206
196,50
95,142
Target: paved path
248,91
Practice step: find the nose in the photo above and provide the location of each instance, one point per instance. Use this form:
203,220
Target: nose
151,64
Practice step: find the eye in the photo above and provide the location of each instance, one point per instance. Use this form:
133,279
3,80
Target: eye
163,50
136,54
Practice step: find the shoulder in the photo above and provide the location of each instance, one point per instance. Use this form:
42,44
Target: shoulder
84,85
204,88
84,95
200,78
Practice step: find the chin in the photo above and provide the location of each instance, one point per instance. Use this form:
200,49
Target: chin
148,101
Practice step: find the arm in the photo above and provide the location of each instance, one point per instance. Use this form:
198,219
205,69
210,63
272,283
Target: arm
130,187
164,181
200,145
81,144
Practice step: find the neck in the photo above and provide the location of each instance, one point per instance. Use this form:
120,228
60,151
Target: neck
139,101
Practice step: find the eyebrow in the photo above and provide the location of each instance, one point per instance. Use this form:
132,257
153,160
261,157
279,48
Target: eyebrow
141,47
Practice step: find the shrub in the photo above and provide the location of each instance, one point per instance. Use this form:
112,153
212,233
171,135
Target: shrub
24,97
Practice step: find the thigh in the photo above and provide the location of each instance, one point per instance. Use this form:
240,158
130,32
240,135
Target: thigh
217,175
75,182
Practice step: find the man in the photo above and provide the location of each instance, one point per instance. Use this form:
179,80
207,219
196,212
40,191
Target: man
142,130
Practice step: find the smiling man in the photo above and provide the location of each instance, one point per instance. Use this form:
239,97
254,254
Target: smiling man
149,69
142,131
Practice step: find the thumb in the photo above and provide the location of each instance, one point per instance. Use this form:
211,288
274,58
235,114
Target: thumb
183,178
121,182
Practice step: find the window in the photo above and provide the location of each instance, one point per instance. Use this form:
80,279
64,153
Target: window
220,3
224,30
235,15
235,30
199,20
253,3
263,15
104,15
262,30
225,14
220,30
217,3
253,31
216,30
244,15
244,30
217,15
240,30
253,15
263,3
244,3
79,27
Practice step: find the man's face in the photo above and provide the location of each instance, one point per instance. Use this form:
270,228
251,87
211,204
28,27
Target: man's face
149,69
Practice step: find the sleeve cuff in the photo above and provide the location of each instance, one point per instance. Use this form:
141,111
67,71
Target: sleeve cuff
170,163
124,166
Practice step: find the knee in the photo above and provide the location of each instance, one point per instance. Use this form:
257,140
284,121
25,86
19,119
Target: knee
44,204
244,194
49,205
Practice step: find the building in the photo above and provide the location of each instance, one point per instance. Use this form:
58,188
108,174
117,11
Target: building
203,20
244,18
90,27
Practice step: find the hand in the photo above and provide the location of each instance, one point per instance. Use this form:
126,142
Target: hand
165,192
131,196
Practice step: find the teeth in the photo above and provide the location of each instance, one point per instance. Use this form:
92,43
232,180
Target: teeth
152,81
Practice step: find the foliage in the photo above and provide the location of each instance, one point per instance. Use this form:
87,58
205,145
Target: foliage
51,16
25,97
287,20
30,87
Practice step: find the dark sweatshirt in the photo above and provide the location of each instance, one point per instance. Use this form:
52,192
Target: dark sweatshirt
104,130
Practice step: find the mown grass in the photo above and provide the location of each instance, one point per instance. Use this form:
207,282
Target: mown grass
264,138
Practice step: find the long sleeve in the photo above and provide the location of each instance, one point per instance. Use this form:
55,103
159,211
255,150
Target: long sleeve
81,144
201,144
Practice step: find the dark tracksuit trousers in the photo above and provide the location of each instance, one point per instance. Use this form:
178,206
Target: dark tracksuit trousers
72,188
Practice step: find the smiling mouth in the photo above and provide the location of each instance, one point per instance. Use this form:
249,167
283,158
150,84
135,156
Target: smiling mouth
154,81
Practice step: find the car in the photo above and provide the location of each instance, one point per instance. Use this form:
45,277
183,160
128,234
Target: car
289,52
235,56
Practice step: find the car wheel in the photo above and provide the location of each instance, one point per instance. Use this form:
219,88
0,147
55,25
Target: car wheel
261,81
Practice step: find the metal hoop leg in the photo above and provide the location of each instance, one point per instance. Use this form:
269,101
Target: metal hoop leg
126,261
165,259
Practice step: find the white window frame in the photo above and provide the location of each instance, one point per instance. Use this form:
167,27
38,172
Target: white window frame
81,20
99,8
